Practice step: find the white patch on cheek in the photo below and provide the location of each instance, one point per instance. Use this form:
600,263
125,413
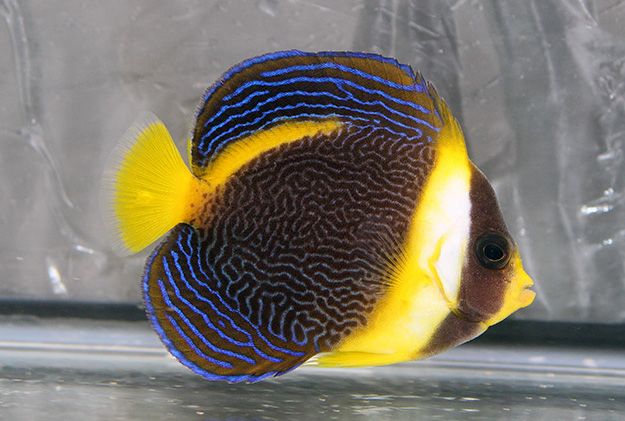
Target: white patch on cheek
454,241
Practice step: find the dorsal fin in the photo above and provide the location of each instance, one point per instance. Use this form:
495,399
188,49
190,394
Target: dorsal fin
358,89
450,139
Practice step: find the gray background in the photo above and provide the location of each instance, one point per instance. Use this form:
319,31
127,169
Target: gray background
539,86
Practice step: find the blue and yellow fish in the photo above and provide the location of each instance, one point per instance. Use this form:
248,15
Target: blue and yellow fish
330,214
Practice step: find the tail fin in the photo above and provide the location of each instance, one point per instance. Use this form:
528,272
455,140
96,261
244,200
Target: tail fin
145,187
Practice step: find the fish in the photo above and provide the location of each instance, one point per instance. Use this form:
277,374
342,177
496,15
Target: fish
328,214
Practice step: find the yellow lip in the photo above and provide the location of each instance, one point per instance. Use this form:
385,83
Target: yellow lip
526,297
518,294
526,294
522,284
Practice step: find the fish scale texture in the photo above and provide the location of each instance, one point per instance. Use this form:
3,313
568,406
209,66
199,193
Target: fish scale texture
295,258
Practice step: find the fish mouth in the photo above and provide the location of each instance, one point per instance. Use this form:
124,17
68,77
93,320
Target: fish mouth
519,295
516,299
526,296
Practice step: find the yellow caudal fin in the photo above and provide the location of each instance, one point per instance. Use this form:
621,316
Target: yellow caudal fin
146,186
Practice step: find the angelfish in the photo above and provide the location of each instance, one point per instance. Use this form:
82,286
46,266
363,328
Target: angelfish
330,215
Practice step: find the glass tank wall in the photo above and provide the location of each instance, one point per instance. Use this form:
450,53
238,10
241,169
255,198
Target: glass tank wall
539,87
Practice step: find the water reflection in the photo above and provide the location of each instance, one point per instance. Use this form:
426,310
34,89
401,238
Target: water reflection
308,394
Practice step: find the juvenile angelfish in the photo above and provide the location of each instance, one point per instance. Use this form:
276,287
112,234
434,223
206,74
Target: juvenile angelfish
330,214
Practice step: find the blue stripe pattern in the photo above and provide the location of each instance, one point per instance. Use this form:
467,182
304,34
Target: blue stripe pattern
198,327
288,258
331,65
190,266
362,90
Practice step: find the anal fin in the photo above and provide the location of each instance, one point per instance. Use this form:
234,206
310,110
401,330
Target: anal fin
205,331
355,359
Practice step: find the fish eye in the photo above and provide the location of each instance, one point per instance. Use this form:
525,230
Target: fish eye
493,251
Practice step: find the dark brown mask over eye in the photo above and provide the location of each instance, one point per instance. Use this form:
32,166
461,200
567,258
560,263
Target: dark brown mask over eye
486,274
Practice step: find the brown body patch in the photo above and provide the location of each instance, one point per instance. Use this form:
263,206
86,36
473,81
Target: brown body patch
452,332
291,255
306,231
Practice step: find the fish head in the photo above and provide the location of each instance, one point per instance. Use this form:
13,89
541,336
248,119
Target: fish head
493,282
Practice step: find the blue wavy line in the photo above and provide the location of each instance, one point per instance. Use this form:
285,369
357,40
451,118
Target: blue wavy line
226,107
296,53
191,326
212,305
210,324
294,338
230,320
280,118
348,69
333,80
271,316
349,97
369,56
207,374
169,344
184,336
295,106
